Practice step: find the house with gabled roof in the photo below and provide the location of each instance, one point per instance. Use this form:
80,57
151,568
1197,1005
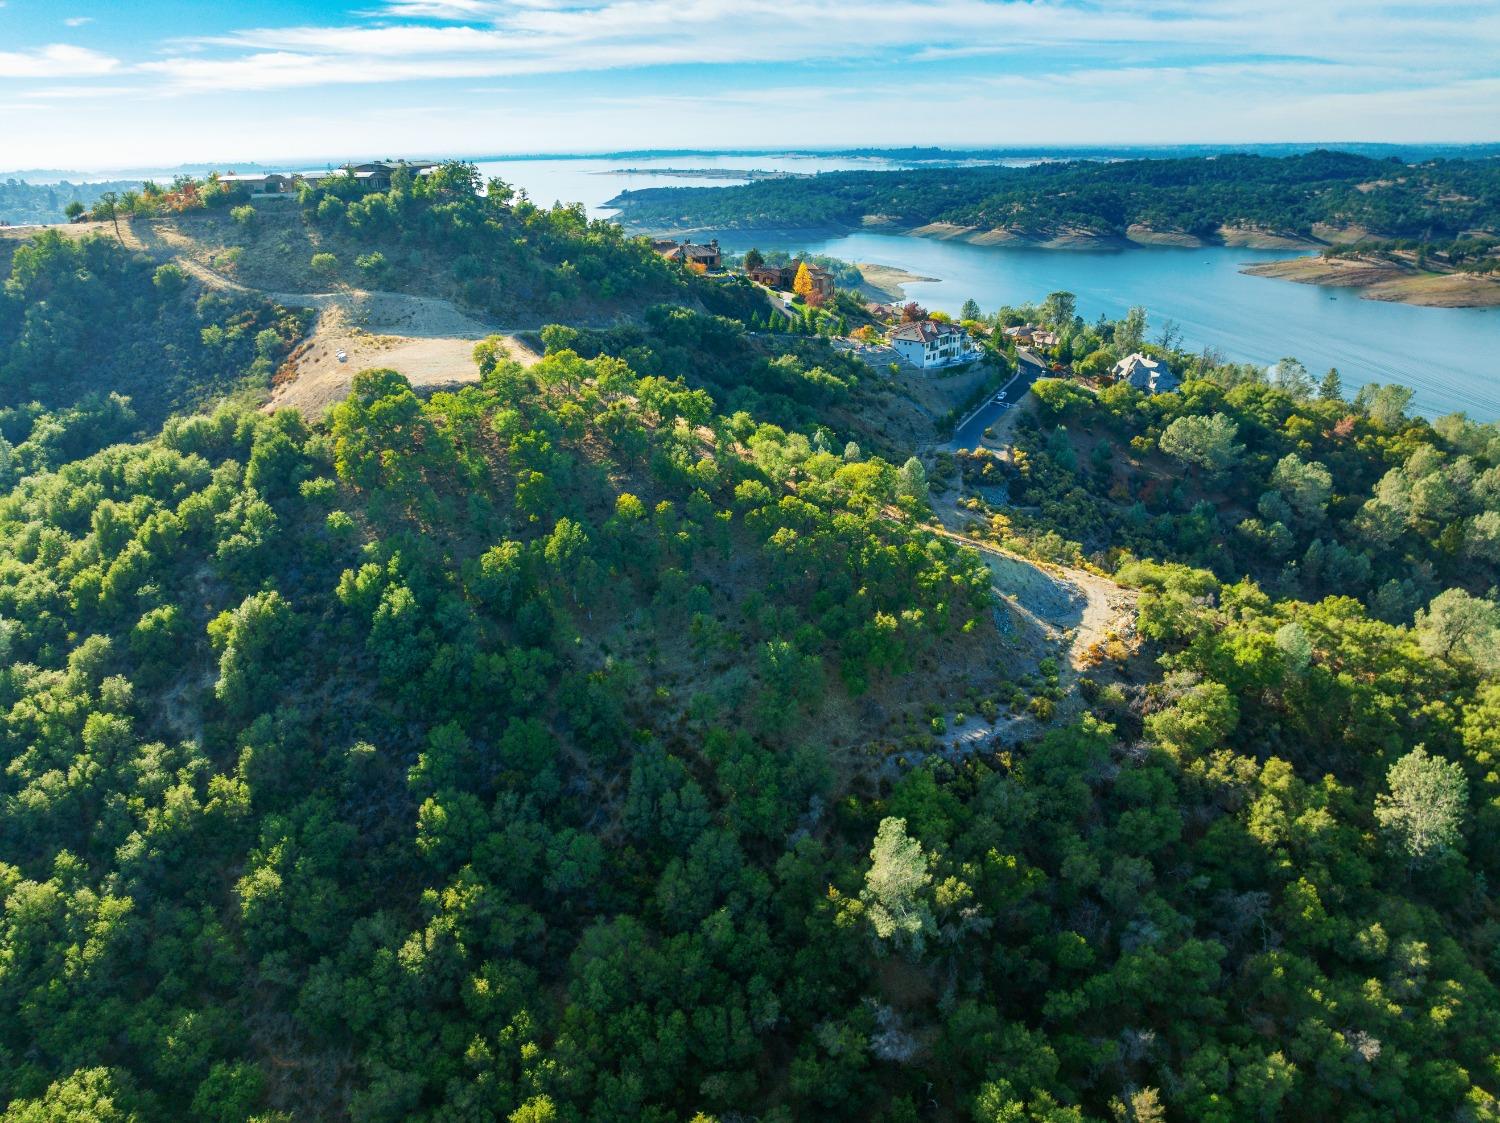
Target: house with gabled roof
931,343
689,253
1146,374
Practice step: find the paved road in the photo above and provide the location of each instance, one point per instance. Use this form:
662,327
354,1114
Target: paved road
1029,367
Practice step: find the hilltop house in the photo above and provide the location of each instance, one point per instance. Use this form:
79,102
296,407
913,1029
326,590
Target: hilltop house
781,277
931,343
768,275
688,253
369,177
268,183
1145,373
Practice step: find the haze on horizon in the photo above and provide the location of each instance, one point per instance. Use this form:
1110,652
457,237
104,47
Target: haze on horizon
95,84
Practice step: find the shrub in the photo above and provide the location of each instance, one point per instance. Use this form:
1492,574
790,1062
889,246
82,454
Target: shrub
324,264
372,264
244,215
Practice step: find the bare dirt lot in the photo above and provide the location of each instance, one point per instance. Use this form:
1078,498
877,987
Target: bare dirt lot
427,339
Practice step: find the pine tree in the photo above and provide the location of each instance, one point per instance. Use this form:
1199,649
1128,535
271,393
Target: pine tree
1425,807
1331,389
896,888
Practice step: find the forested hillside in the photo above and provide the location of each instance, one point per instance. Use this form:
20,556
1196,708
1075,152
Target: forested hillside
1296,488
1197,195
622,738
449,233
81,316
446,234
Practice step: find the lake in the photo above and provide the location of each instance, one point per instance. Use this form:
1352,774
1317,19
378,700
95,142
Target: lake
1450,357
593,180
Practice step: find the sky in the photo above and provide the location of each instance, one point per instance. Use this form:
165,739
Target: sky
97,84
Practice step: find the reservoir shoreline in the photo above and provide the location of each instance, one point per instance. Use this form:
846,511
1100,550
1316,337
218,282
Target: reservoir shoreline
1388,284
1445,354
1379,280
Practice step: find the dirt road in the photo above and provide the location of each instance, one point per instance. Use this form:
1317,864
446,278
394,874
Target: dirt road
429,340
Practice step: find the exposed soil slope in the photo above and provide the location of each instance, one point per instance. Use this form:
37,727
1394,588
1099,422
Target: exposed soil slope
428,340
1379,279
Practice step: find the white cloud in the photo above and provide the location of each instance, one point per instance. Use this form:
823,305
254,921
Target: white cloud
78,21
78,93
439,9
56,61
483,38
369,42
706,73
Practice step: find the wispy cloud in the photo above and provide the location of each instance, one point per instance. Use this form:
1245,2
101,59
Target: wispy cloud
56,61
484,38
603,73
438,9
78,21
79,93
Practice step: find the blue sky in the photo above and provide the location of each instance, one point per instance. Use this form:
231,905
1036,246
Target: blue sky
93,84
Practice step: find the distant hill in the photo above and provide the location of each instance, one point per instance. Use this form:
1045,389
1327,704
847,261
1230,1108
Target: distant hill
1314,195
35,204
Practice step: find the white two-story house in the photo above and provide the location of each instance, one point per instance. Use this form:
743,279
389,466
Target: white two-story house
931,343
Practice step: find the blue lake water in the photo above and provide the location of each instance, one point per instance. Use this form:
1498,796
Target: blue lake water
593,180
1450,357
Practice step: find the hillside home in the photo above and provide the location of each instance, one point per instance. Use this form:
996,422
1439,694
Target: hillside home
369,177
1146,374
782,277
266,183
377,176
688,253
926,344
822,279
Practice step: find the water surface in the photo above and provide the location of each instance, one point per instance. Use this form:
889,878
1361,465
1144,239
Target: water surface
1450,357
593,180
